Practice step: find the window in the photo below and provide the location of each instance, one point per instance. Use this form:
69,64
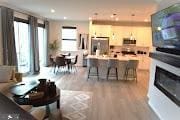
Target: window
69,36
21,31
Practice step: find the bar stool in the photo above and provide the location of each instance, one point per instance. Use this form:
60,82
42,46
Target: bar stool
131,66
92,63
112,64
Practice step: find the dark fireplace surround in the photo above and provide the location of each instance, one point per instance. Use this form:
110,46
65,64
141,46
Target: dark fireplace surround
166,81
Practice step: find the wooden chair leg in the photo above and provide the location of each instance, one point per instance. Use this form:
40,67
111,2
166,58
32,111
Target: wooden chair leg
54,69
97,73
125,74
108,74
135,75
57,69
88,72
116,73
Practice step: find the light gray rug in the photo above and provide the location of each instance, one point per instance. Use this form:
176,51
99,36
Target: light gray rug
75,105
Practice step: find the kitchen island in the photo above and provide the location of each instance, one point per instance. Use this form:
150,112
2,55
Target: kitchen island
103,60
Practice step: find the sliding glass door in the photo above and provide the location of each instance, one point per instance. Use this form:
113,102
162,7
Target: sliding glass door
21,31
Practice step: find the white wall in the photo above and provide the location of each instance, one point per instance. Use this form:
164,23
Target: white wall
55,34
55,28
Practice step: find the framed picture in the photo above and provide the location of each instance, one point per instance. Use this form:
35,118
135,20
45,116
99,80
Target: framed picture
83,41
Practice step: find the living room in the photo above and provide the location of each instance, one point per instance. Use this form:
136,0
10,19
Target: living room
97,43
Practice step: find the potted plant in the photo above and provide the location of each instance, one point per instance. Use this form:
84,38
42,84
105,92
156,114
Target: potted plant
53,47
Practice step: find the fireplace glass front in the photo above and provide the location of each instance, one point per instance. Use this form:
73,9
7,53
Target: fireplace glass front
168,83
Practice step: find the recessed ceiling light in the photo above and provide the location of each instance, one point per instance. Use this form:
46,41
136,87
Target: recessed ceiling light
52,11
64,18
117,19
112,16
145,20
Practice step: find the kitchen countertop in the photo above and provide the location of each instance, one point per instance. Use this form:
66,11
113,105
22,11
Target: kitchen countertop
120,58
121,66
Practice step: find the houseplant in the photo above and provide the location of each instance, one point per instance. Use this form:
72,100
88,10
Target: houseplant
53,46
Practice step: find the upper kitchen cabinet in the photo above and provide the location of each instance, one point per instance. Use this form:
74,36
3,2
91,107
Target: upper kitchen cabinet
116,34
101,30
143,36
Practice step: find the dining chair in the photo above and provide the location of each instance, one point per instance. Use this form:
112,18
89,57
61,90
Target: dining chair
68,63
73,63
60,63
69,54
131,67
52,63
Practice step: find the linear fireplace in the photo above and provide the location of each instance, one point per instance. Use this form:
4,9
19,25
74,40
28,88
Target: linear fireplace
168,83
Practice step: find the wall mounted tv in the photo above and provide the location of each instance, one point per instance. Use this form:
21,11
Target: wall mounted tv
166,29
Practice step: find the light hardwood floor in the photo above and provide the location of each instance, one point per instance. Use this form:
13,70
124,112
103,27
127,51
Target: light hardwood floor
112,100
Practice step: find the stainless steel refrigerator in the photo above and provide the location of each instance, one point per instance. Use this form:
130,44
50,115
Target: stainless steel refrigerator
101,43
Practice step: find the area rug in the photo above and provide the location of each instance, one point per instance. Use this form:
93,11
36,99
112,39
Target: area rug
75,105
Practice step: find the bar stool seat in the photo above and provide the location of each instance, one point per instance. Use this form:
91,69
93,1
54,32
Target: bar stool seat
92,63
131,66
112,64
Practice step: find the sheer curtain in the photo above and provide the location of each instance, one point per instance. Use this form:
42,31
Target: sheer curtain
46,23
43,38
8,38
34,47
22,46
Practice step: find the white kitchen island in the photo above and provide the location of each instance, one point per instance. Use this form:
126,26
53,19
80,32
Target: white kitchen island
102,60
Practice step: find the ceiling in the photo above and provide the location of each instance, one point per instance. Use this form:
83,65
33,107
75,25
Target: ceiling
83,9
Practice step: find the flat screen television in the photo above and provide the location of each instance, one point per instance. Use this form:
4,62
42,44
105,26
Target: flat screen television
166,29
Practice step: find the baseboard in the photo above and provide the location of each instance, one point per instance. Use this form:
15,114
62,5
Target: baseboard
155,110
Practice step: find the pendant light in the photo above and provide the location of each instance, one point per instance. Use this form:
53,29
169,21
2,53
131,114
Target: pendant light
95,18
113,19
95,34
113,36
131,35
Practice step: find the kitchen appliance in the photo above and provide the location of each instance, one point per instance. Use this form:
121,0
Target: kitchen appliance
101,44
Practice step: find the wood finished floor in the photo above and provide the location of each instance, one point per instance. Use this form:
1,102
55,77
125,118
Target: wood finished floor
112,100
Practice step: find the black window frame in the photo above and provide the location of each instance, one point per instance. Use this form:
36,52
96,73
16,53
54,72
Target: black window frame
17,19
21,20
69,27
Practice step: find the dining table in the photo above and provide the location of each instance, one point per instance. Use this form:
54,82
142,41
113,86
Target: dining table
68,59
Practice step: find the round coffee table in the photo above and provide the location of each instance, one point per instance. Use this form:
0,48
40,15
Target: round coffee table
44,101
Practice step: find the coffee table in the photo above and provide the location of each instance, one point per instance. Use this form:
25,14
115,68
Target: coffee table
21,99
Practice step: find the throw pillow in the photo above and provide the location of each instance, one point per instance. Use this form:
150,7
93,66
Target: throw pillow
5,74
